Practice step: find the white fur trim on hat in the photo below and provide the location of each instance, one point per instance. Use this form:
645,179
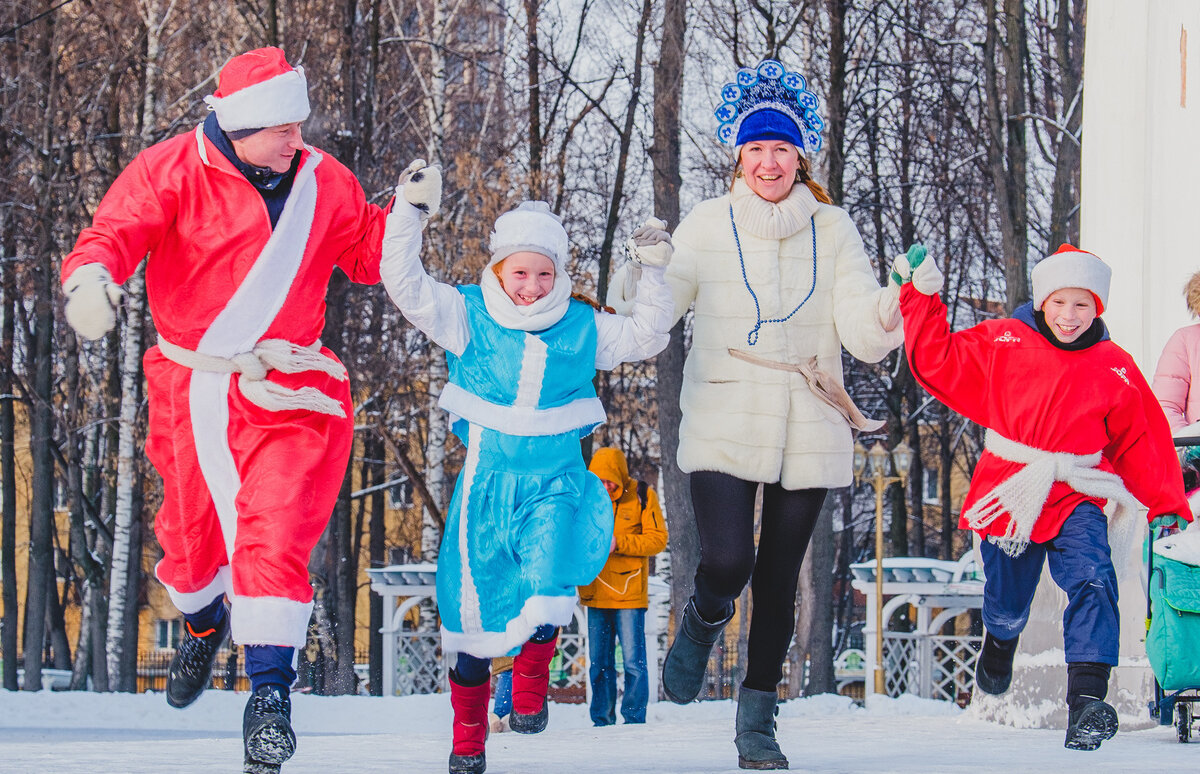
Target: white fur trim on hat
1070,267
530,227
282,99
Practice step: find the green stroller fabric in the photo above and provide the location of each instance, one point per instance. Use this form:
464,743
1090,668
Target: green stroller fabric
1174,624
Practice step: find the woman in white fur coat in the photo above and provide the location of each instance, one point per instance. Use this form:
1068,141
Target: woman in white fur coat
780,283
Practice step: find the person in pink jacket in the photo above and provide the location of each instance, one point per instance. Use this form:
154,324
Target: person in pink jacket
1179,366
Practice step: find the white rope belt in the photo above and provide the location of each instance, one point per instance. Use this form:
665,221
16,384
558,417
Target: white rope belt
268,355
1023,495
824,386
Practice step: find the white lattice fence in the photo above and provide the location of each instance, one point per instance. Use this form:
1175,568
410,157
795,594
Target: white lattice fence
419,663
954,666
571,669
931,666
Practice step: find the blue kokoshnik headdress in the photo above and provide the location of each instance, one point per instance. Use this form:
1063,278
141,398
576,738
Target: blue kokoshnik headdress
770,103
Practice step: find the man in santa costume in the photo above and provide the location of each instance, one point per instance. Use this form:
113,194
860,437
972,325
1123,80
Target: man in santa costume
241,224
1071,425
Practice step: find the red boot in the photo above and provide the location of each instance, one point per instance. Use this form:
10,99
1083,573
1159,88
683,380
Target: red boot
470,705
530,682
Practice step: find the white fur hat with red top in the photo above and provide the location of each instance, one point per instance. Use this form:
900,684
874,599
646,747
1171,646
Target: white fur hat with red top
258,89
1070,267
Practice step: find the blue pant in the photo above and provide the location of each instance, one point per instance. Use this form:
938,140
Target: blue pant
1081,564
502,700
604,626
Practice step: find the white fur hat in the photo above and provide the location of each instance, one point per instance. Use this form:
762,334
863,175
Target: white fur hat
258,89
1070,267
530,227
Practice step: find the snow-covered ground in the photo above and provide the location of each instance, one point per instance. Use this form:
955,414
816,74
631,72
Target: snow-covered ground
85,733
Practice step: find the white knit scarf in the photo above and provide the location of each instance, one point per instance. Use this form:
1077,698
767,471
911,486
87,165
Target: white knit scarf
771,220
1024,494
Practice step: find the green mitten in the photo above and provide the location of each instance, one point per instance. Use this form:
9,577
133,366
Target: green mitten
1168,521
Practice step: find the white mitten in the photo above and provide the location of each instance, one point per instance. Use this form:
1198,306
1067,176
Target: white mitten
650,245
92,298
900,272
422,187
927,277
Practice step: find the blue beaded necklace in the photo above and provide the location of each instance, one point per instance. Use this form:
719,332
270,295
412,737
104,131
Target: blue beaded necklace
759,322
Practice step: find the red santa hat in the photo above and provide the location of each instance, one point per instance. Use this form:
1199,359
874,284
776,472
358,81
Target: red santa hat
1070,267
258,89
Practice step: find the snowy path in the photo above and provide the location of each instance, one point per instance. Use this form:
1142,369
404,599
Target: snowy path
87,733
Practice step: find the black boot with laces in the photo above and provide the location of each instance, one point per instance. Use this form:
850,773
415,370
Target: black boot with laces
191,667
267,730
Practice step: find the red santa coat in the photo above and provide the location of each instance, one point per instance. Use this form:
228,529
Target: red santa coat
247,491
1005,375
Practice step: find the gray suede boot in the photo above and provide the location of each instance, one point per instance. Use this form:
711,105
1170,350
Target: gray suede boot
755,740
687,658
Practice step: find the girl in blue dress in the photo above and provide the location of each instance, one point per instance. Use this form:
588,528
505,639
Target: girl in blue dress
527,522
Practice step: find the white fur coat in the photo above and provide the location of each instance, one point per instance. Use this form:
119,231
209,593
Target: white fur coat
757,423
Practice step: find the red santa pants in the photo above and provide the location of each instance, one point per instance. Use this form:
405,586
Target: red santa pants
247,493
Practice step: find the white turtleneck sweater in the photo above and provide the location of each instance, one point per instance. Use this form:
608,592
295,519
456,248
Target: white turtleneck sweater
757,423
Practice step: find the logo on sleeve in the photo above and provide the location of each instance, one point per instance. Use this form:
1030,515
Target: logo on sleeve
1007,338
1121,373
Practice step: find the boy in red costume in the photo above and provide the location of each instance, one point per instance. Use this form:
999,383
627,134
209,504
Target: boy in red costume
250,417
1071,424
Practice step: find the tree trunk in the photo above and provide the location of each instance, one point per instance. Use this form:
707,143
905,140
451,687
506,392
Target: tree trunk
8,475
534,83
377,551
684,543
39,369
624,140
1064,192
124,561
1006,140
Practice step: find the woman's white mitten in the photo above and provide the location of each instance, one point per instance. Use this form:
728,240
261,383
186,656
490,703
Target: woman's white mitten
421,186
92,299
650,244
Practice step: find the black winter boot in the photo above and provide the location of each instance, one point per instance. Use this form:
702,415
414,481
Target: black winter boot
192,665
687,658
755,740
267,730
1090,720
993,671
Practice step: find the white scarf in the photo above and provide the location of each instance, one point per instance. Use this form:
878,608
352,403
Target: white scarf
538,316
1024,494
771,220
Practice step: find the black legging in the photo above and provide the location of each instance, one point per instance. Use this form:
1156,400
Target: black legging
724,507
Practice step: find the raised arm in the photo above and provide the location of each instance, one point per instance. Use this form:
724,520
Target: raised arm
646,331
434,308
859,304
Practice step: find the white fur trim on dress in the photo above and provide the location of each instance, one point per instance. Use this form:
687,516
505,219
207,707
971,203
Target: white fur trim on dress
194,601
270,621
522,420
279,100
537,611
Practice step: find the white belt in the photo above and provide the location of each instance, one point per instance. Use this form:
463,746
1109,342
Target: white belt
268,355
824,386
1023,495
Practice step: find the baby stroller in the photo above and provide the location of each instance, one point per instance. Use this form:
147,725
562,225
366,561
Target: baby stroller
1173,619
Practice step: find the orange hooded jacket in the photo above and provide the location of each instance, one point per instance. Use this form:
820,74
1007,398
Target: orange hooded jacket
639,533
